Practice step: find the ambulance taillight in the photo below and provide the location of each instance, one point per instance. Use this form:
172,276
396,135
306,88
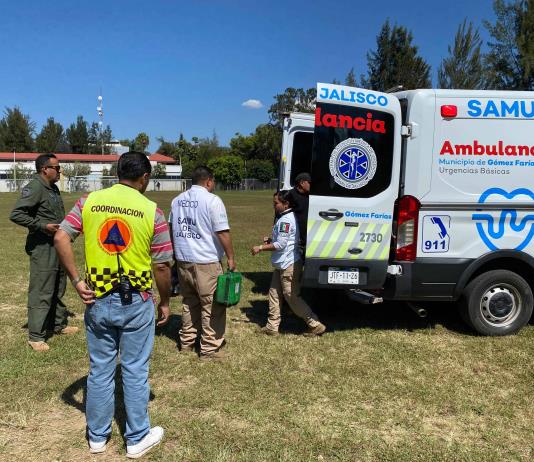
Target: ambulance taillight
407,222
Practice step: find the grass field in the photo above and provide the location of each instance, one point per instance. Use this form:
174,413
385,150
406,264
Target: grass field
380,385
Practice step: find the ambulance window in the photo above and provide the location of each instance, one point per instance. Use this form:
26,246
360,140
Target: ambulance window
301,155
352,161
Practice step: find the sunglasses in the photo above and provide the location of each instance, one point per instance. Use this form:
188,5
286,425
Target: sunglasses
57,168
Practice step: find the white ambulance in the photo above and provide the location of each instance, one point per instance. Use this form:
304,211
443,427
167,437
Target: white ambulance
420,195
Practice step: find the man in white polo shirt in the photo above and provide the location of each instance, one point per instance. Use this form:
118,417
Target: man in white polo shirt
201,236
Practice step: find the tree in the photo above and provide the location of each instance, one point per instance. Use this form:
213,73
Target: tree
350,79
510,60
99,139
463,68
18,178
264,144
159,171
229,170
166,148
206,149
16,131
395,62
51,136
243,146
260,169
141,142
268,143
111,172
78,136
292,100
76,169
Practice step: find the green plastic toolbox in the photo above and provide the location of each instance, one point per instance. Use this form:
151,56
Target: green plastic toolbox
228,288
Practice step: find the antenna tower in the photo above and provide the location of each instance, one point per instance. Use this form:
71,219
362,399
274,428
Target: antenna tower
100,111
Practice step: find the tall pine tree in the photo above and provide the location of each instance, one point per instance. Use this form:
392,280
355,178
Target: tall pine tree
16,131
510,60
463,67
395,61
78,136
51,136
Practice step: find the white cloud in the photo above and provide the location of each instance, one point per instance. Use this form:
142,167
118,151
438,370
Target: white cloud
252,104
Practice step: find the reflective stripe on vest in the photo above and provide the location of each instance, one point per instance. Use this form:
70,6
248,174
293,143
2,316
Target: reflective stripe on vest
118,221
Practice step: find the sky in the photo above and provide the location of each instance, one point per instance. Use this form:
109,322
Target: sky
198,67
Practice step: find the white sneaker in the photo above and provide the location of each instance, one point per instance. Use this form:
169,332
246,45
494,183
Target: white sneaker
97,447
153,438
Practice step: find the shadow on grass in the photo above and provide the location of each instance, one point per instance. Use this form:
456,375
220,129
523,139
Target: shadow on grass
261,281
170,330
69,397
338,312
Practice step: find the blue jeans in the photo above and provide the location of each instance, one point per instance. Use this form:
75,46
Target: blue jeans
129,330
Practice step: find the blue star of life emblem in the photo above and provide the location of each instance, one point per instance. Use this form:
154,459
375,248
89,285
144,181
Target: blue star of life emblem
353,163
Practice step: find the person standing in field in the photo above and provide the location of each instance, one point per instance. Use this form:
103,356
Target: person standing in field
127,245
40,209
287,263
201,236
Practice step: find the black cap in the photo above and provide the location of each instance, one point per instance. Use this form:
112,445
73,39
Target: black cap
302,177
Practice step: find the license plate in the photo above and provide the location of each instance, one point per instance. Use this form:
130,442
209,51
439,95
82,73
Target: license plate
337,276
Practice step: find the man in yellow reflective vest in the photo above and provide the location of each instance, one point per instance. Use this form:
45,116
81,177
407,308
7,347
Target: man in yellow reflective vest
127,245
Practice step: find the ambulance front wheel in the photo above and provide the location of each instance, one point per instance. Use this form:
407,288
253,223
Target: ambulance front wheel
498,302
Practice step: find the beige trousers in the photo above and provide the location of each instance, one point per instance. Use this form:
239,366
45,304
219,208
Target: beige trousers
286,284
201,316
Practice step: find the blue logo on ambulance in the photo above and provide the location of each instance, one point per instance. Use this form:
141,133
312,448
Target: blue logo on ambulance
353,163
498,232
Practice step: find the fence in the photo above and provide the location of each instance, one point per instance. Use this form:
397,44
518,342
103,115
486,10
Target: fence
13,185
89,183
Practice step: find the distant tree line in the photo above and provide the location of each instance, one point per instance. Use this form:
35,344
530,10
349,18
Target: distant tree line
18,132
506,63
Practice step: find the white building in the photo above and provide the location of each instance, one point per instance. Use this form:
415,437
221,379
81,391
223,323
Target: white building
97,162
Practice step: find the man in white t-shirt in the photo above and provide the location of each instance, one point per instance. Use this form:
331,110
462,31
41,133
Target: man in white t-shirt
201,236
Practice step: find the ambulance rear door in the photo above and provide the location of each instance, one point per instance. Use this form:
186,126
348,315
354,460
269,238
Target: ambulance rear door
355,181
296,148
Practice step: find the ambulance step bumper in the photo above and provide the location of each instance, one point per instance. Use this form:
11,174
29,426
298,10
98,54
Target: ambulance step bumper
366,298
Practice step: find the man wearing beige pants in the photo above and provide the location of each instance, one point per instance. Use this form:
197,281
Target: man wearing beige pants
201,236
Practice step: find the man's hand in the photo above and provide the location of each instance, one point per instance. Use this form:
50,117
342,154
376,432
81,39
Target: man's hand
164,314
51,228
85,293
267,240
255,250
231,264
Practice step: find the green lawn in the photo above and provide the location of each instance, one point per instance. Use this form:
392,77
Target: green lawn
380,385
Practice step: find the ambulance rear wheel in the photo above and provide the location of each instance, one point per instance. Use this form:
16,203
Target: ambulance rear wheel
498,302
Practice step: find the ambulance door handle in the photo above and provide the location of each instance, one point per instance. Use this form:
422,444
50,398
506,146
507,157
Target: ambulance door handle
330,214
355,251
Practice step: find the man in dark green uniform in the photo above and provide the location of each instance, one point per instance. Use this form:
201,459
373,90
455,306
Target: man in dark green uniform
40,209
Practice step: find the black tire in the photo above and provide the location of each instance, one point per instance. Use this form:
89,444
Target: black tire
498,302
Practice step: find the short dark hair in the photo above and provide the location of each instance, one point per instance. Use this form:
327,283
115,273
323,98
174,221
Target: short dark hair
42,160
201,174
133,165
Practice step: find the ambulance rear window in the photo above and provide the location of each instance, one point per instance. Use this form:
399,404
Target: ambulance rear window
352,151
301,155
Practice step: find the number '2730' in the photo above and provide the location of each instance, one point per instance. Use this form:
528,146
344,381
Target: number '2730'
370,237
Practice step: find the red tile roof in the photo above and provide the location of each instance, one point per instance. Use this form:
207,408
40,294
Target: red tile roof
106,158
